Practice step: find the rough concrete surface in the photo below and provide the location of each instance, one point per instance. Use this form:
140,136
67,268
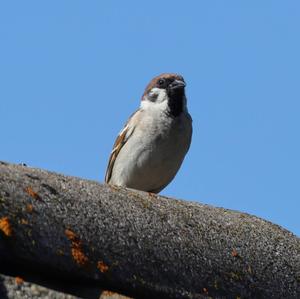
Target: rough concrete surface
139,244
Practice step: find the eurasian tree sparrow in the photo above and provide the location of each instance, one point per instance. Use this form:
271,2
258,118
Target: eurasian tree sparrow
151,147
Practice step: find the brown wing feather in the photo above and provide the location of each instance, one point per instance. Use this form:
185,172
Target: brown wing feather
120,141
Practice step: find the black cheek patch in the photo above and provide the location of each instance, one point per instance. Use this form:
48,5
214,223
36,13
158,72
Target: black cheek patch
153,97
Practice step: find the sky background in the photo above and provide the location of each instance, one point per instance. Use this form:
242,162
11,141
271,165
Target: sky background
71,72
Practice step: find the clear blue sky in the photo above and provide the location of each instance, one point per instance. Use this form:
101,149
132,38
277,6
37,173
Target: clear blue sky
71,72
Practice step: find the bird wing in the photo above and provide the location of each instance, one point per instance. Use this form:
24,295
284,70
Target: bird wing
119,143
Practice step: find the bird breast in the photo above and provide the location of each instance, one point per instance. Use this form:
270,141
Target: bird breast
153,154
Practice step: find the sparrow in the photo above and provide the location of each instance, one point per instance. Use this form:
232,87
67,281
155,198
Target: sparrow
151,147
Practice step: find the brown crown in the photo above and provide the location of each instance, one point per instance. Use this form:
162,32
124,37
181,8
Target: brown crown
154,81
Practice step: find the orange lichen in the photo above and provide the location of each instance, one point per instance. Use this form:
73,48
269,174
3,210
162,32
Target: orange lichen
79,256
102,266
32,193
70,235
5,226
19,280
29,208
234,253
76,248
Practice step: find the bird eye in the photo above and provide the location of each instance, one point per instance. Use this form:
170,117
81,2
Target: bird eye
161,82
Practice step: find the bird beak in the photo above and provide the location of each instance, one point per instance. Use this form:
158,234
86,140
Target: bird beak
177,84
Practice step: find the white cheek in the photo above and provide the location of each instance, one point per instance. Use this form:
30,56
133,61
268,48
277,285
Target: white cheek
161,101
160,93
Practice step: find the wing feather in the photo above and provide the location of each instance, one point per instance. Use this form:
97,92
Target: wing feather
119,143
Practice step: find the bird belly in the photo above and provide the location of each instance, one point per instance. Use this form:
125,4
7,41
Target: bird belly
149,164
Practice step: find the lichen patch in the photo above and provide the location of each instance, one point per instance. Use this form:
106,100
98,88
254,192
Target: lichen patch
70,235
76,248
32,193
102,267
5,226
234,253
78,255
19,280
